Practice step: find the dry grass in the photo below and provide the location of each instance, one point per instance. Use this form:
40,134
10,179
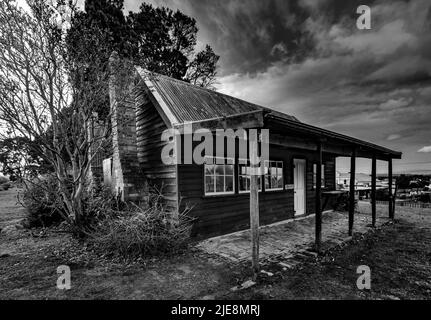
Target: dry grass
140,232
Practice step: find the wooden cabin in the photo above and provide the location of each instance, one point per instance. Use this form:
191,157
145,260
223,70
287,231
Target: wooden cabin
219,193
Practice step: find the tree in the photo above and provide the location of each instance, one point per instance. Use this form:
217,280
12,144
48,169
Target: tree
158,39
19,158
54,80
41,96
202,70
403,181
89,42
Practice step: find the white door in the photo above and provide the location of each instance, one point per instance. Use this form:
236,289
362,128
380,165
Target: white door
299,186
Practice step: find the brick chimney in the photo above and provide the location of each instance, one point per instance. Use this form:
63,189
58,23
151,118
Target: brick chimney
127,178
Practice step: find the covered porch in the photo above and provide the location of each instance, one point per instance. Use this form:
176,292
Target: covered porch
294,134
289,242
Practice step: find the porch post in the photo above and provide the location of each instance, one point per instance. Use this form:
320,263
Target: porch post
391,208
352,190
254,202
373,189
318,209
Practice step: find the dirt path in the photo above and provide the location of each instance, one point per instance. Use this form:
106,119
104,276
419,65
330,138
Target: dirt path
399,257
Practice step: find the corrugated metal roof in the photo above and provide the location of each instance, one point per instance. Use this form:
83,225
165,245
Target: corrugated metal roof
192,103
185,102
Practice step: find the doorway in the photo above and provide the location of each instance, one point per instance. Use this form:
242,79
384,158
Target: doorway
299,186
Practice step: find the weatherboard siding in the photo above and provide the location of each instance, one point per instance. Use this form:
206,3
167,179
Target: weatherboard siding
218,214
150,126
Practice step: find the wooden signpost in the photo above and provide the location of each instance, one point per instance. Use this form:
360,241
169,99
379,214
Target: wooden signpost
373,189
391,196
318,227
254,202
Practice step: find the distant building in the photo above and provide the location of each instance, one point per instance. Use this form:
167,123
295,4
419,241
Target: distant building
362,183
361,179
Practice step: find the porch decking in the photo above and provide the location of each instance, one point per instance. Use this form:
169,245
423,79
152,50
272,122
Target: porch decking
292,238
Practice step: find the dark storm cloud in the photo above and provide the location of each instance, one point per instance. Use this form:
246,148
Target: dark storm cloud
250,34
307,58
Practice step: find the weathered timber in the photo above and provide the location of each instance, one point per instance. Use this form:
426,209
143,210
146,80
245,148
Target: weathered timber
391,196
373,190
352,190
254,205
318,227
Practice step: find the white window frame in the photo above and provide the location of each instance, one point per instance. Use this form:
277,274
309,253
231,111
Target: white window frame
267,173
213,161
244,163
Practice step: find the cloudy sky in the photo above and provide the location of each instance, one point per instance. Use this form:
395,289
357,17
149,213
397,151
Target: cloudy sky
308,59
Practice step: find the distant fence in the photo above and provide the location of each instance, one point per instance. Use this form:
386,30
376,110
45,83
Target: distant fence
410,204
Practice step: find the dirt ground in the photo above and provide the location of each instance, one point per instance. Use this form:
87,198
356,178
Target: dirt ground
399,257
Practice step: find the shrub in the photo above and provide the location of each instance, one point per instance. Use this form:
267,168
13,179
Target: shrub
142,231
382,195
425,197
343,203
42,200
98,204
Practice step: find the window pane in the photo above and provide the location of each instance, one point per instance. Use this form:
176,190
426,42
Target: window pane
209,184
267,178
229,184
274,175
229,170
244,183
273,182
243,170
209,169
219,170
280,182
219,184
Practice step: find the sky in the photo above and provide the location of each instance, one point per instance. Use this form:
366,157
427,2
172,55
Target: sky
307,58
